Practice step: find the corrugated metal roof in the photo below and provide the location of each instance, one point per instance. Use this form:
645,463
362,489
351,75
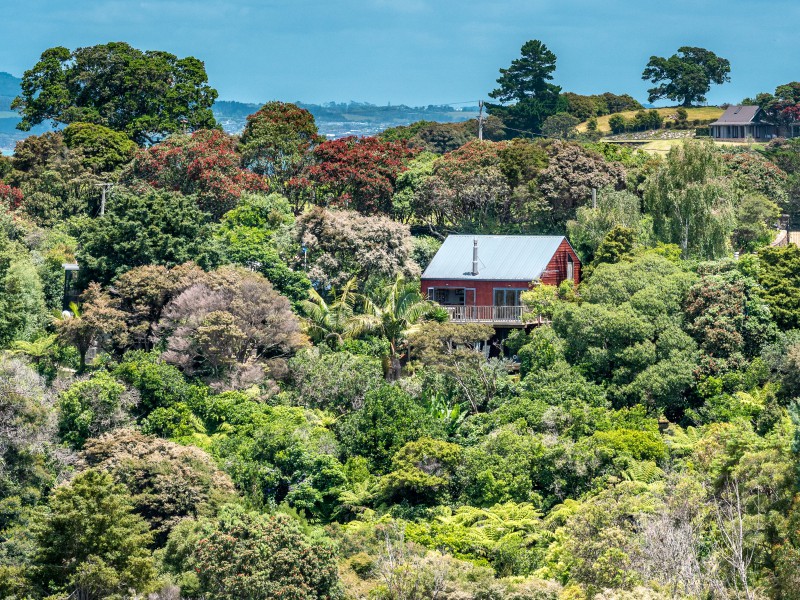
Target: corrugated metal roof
737,115
500,257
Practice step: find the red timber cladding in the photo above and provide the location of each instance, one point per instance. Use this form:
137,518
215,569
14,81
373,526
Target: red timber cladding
484,290
556,270
555,273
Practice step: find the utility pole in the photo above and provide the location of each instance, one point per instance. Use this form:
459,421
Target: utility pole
104,187
480,120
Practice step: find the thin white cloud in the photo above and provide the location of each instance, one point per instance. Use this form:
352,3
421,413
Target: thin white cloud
403,6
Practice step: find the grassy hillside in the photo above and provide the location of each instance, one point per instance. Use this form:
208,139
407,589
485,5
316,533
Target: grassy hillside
702,112
664,146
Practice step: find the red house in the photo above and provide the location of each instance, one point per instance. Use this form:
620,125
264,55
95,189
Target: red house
479,278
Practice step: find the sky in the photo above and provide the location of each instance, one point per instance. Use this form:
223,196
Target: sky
416,52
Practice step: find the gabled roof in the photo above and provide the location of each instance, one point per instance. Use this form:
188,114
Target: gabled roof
738,115
500,257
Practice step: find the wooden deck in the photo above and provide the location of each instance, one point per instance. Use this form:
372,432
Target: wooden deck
781,239
492,315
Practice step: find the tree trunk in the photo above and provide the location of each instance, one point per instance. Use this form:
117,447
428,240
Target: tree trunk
82,364
685,242
394,368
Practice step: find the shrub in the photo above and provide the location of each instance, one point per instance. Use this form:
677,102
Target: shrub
91,544
92,407
389,419
260,557
167,481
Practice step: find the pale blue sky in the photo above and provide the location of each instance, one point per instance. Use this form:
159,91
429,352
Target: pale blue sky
416,51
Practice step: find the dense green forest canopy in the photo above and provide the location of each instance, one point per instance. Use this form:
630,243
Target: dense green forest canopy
243,394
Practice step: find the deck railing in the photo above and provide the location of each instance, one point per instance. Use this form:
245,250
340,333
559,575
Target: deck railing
485,314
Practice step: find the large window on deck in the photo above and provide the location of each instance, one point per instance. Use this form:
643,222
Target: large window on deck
504,297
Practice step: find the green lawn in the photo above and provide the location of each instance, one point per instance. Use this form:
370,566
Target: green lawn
661,147
701,112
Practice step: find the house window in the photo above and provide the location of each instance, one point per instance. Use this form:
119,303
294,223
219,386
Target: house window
570,268
504,297
447,296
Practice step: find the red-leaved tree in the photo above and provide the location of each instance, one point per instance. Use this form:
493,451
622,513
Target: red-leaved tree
358,173
10,197
204,163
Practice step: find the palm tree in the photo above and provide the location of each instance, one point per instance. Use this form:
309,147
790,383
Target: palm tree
393,314
326,323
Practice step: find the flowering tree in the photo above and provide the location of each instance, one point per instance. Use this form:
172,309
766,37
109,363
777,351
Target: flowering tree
358,173
571,174
343,244
483,186
248,555
783,107
10,197
753,172
231,322
152,468
204,163
468,189
277,140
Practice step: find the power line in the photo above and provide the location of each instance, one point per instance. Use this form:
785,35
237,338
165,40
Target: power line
524,131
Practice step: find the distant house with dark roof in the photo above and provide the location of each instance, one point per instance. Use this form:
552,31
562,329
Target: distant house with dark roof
746,122
741,123
479,278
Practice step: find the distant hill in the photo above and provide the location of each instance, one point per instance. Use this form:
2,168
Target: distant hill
340,119
334,119
9,85
9,134
9,88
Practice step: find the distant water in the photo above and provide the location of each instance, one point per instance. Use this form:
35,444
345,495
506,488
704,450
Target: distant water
341,121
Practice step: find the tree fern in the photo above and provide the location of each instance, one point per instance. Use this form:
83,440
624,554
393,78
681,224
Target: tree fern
645,471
